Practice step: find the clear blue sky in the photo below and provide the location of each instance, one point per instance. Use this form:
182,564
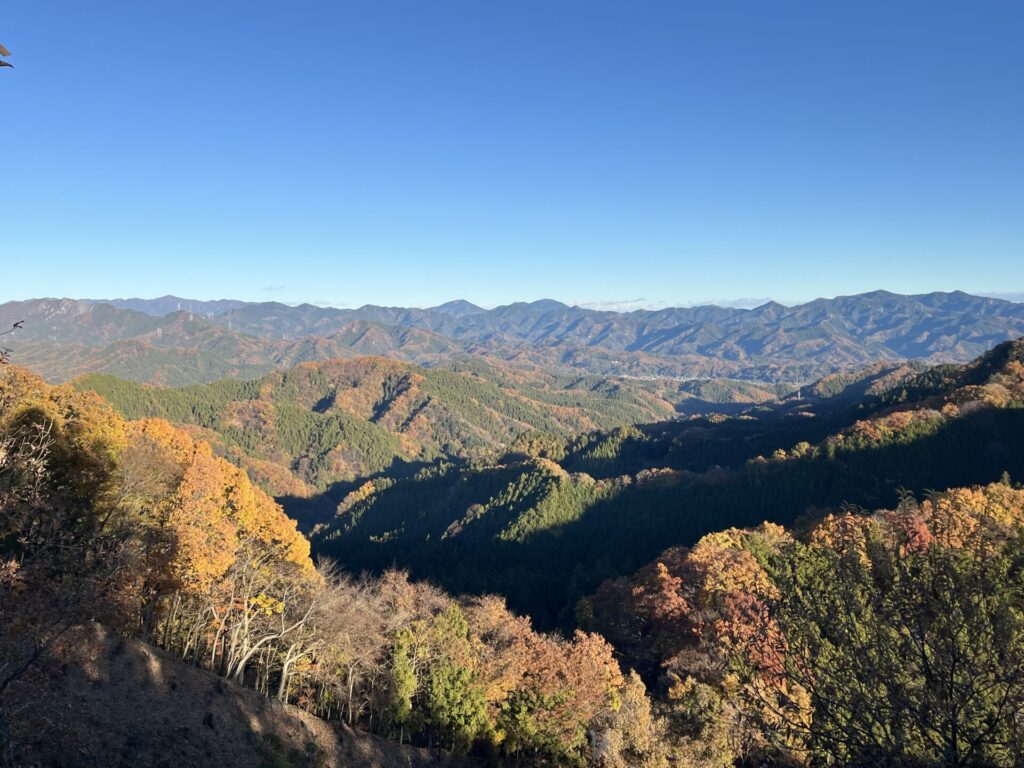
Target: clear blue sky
499,150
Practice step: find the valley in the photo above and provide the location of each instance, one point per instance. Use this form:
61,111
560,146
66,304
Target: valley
535,545
512,385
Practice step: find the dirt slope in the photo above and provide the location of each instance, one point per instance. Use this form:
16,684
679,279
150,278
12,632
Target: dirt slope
103,701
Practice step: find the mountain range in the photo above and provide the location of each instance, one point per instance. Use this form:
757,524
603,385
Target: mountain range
154,341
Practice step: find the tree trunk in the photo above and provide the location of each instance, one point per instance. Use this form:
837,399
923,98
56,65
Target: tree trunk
351,694
282,688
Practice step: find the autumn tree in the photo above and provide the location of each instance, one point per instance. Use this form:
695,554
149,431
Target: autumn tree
64,545
630,735
143,527
911,648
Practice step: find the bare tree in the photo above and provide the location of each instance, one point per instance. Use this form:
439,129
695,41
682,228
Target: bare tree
5,352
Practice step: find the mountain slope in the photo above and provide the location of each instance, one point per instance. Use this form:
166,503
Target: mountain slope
543,533
167,304
139,526
103,701
63,338
323,423
847,330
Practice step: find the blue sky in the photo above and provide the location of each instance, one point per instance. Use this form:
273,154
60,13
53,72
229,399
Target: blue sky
408,153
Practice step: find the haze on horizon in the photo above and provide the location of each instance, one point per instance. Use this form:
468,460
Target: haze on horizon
631,305
408,154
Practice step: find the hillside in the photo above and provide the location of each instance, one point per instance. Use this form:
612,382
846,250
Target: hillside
101,701
844,331
815,644
754,642
546,530
153,341
319,425
140,527
63,338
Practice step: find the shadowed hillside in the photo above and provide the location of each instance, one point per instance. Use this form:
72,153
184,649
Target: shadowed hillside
545,530
324,423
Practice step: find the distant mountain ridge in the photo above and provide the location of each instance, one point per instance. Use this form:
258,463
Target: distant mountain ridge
167,304
131,338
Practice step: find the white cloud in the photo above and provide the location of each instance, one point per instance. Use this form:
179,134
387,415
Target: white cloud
631,305
622,305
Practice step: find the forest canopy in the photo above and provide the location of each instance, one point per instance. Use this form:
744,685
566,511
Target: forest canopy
768,632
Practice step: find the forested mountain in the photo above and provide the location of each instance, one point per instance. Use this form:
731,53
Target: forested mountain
304,429
154,341
845,330
701,635
552,519
62,339
267,524
138,526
